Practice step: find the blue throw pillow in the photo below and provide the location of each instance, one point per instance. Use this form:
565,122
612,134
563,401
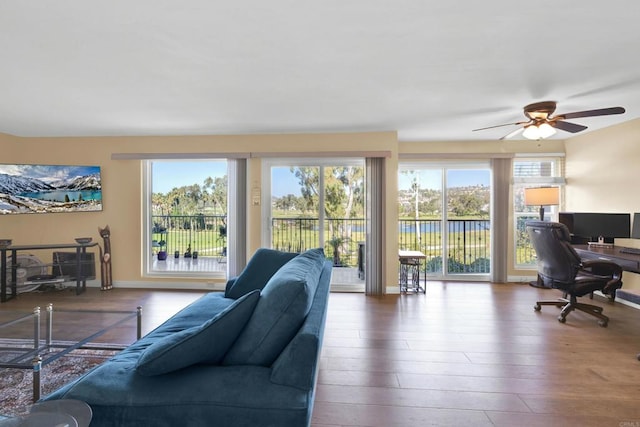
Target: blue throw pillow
283,306
262,265
206,343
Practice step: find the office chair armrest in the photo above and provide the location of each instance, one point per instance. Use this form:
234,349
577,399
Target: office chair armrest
605,269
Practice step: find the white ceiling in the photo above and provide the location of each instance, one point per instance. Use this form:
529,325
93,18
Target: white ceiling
430,70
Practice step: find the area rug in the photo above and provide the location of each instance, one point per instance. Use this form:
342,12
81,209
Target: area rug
16,385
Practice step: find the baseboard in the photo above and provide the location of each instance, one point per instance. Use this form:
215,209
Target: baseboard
631,299
178,286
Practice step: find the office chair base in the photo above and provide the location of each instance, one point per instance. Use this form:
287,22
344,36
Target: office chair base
568,305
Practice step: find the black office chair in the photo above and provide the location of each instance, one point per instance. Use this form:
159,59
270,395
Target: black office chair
561,268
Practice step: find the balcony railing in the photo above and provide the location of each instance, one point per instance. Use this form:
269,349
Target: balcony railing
342,237
206,234
468,242
468,248
525,255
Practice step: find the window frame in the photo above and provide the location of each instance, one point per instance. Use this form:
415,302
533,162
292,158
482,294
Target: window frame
147,249
519,183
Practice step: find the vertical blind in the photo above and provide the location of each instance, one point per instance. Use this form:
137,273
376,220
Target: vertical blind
374,265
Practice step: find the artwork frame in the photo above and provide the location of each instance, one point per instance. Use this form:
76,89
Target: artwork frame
40,188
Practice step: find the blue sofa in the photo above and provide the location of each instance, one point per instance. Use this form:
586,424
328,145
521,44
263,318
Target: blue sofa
248,357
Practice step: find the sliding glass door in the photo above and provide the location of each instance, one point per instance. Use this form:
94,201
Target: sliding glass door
186,218
318,203
444,212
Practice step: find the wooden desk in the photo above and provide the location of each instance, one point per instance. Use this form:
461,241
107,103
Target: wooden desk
410,267
628,262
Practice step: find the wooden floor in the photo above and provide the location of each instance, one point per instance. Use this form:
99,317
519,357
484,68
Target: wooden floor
464,354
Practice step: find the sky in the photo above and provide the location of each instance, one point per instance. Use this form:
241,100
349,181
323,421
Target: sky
432,178
172,174
284,182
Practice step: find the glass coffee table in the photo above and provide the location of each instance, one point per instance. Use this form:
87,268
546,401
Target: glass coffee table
58,413
33,340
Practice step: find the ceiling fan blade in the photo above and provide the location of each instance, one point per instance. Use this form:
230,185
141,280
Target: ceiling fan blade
499,126
567,126
512,134
592,113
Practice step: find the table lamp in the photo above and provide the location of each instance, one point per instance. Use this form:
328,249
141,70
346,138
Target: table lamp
542,196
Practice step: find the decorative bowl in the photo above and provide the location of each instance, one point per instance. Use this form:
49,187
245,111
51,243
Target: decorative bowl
5,243
83,240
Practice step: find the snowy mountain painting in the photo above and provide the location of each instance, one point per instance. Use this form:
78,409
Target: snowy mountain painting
49,188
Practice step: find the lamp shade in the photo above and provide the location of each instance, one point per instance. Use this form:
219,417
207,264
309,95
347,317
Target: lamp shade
542,196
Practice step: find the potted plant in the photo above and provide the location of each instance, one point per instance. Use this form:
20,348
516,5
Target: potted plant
162,254
337,242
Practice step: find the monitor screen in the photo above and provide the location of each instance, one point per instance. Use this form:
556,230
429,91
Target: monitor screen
590,226
635,231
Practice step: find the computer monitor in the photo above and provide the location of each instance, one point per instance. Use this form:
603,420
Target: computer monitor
588,226
635,230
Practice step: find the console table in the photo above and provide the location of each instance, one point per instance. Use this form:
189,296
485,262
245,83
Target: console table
11,279
410,271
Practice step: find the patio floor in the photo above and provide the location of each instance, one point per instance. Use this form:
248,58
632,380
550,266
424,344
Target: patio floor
347,276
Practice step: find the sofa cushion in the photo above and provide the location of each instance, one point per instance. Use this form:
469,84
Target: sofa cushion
262,265
205,343
283,305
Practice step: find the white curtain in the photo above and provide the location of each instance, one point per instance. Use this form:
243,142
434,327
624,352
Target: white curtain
374,261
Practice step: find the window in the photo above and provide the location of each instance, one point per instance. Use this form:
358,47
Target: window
444,211
186,218
318,203
532,172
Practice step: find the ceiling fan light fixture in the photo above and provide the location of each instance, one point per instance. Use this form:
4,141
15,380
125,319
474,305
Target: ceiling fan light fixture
541,131
546,130
531,132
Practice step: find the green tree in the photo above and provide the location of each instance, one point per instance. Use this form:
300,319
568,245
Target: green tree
469,202
309,180
343,197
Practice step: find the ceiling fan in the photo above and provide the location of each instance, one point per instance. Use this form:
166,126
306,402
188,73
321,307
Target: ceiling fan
542,125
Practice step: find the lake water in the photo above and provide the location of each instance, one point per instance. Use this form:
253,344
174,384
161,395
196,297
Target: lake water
59,195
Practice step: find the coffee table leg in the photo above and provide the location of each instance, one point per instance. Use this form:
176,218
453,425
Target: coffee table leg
139,322
49,325
36,328
37,366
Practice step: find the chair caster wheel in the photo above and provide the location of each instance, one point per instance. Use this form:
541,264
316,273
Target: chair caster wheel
561,319
603,323
537,307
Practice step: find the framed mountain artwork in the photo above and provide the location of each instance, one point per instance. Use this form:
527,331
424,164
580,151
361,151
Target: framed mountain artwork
49,188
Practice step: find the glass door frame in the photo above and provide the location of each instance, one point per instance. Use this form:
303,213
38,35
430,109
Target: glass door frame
444,167
321,162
